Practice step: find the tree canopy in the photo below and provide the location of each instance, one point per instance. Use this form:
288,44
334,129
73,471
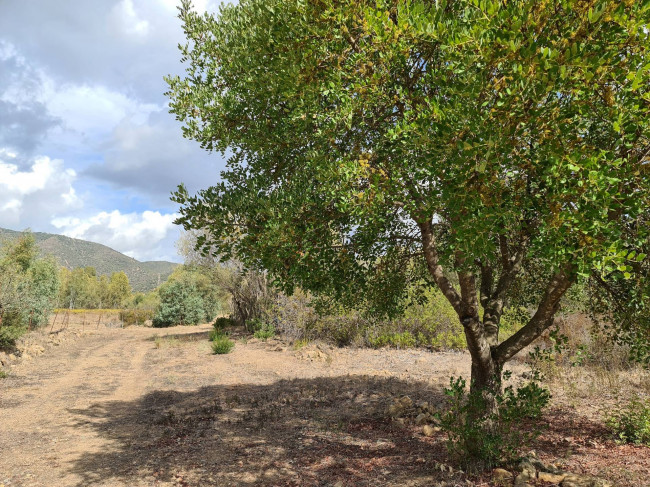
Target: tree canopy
375,144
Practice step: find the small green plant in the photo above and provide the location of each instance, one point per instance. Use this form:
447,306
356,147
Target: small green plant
478,440
631,423
215,333
3,374
222,322
580,356
263,331
222,345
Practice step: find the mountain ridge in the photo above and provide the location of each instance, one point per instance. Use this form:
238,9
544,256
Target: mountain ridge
73,252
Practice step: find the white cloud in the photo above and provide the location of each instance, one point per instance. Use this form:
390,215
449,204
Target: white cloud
127,18
95,110
143,236
35,194
152,160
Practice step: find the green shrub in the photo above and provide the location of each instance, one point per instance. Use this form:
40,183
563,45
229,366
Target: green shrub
262,331
9,335
342,329
135,316
631,423
481,441
512,319
180,304
428,321
222,322
222,345
397,340
3,374
28,288
216,333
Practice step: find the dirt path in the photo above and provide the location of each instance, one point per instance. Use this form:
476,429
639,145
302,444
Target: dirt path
66,415
146,407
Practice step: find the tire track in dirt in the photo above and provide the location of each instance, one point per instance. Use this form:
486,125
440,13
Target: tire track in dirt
40,403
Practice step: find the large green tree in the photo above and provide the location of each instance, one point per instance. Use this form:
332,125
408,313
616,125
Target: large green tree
379,143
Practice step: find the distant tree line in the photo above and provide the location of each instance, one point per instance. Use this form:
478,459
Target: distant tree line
83,288
31,286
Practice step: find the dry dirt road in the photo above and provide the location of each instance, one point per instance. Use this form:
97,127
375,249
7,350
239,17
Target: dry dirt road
146,407
140,406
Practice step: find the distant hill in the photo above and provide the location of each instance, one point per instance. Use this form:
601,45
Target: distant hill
72,253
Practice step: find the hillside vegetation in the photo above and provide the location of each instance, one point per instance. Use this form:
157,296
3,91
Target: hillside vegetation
72,253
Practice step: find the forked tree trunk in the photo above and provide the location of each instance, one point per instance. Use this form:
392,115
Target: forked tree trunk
488,356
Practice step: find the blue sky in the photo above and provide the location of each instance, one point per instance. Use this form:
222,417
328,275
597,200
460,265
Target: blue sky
87,146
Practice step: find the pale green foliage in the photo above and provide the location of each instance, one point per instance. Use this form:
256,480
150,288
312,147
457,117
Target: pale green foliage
28,288
82,288
180,304
147,302
245,292
135,316
261,330
119,290
190,296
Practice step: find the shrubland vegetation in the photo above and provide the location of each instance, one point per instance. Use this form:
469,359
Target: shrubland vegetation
28,288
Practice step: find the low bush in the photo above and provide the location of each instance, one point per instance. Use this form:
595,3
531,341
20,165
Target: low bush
430,321
222,323
9,335
261,329
265,332
397,340
479,441
342,329
216,333
631,422
137,317
221,344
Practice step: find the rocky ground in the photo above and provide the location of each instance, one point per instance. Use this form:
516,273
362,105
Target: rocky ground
104,406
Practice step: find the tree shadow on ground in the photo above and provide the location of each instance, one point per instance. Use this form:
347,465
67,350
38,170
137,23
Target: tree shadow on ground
302,432
328,431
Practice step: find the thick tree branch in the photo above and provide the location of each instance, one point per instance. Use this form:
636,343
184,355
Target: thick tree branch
494,305
487,282
541,320
468,293
435,269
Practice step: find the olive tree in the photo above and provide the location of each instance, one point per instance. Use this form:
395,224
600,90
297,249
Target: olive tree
374,144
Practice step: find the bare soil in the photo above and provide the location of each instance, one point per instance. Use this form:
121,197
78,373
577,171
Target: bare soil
104,406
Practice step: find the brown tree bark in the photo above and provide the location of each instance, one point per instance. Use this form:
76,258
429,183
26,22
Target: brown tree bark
488,356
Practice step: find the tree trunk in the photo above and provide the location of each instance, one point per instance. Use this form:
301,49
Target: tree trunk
485,380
